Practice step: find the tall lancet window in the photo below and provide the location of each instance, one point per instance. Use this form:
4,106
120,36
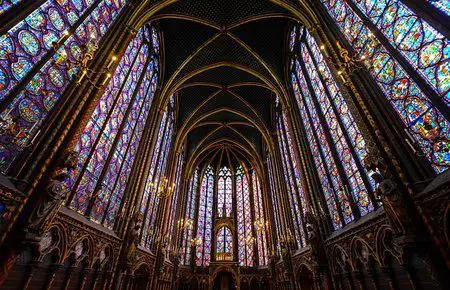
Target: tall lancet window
224,244
246,238
34,70
224,194
410,61
190,215
205,214
108,144
156,181
276,204
261,224
334,138
175,188
296,194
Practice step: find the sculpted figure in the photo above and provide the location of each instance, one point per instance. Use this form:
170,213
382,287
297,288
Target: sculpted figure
93,199
394,203
313,236
133,238
54,193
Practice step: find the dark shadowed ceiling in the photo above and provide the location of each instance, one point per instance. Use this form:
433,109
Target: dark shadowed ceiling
224,61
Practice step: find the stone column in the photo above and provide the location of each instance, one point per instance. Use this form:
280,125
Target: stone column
84,276
30,271
51,276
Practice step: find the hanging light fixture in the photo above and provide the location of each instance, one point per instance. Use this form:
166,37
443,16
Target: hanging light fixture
164,188
250,240
261,225
187,223
196,241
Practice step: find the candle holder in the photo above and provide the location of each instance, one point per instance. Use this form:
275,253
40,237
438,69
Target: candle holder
250,240
82,65
164,189
349,63
196,242
187,223
261,225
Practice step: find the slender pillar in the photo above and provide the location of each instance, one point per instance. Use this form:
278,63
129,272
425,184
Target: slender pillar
84,277
107,280
51,276
68,277
30,271
390,277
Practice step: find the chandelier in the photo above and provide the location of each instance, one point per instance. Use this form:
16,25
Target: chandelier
261,225
196,241
185,223
250,240
82,63
162,188
287,237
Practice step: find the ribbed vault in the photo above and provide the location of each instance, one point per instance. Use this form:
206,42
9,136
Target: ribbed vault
224,61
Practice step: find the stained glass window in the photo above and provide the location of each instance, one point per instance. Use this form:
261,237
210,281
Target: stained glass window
108,145
156,179
224,244
334,137
224,195
409,60
246,238
175,187
33,70
261,224
205,214
275,203
190,214
244,191
5,5
293,179
442,5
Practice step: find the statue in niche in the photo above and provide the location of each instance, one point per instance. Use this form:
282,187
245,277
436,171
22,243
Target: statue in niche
161,258
54,193
313,236
394,203
286,255
93,199
133,238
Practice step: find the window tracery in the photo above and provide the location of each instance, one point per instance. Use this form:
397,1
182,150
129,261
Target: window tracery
190,214
156,176
33,64
250,234
261,223
175,189
205,214
224,199
224,246
246,238
334,138
108,144
292,176
410,62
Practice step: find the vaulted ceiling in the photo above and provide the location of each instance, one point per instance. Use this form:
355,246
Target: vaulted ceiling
225,63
